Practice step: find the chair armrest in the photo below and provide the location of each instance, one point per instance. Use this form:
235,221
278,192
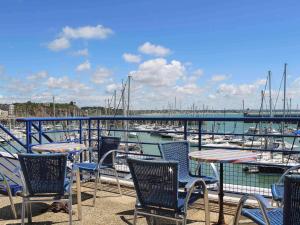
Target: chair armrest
280,181
107,154
190,188
262,202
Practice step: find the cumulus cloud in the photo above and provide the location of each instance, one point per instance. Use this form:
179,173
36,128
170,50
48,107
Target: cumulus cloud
189,89
59,44
101,75
238,89
38,76
86,32
110,88
131,58
83,66
158,72
156,50
81,52
218,78
66,83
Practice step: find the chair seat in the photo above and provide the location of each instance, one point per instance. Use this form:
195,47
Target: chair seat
190,178
91,166
275,216
277,191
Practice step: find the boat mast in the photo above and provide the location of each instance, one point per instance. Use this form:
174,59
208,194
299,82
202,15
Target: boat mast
270,94
284,89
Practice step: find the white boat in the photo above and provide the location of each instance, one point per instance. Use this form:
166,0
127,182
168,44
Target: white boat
132,135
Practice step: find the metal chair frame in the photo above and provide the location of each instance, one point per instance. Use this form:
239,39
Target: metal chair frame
186,171
288,215
7,187
28,198
189,189
101,165
281,182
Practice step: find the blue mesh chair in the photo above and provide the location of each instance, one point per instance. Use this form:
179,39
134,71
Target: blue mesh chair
44,177
278,188
105,160
179,151
156,185
268,215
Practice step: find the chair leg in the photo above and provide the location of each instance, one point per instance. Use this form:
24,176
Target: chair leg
23,212
118,182
70,209
12,205
96,187
29,214
135,217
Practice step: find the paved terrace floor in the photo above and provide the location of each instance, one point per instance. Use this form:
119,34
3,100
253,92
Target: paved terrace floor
110,209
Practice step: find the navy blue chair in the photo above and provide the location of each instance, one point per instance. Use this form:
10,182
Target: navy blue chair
44,179
268,215
277,189
105,160
157,189
179,151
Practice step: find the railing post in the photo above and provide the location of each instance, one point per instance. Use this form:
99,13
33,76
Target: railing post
199,135
185,129
89,133
40,132
28,136
80,131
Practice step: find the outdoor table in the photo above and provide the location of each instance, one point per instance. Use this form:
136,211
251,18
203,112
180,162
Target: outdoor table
70,148
222,156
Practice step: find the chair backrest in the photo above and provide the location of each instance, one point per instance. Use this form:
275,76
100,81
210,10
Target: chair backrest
44,173
291,209
177,151
107,144
155,182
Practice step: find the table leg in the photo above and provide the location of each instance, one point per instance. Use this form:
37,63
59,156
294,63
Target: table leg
78,188
221,220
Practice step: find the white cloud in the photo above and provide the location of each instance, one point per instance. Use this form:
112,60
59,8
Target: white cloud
131,58
157,72
83,66
101,75
59,44
218,78
110,88
86,32
38,76
238,90
81,52
189,89
66,83
156,50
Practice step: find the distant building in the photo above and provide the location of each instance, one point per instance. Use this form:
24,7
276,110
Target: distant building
3,114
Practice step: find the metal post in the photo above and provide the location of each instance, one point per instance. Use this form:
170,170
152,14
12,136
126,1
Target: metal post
185,129
199,135
28,136
40,132
89,133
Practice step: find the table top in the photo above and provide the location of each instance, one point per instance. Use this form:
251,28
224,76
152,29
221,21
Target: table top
59,147
223,156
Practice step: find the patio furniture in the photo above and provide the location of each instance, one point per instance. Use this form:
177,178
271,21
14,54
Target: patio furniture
6,189
108,147
44,177
179,151
156,185
268,215
222,156
277,189
71,149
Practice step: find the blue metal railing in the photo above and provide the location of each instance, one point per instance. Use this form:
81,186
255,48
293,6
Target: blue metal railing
89,129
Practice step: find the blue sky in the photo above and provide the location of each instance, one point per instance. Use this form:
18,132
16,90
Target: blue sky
204,52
